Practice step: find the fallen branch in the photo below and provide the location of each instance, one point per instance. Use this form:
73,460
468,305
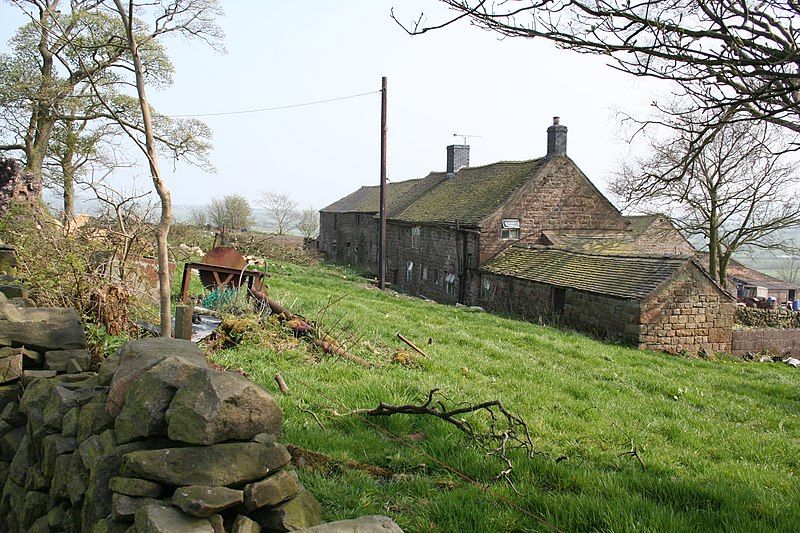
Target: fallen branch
411,345
303,458
506,430
634,452
305,328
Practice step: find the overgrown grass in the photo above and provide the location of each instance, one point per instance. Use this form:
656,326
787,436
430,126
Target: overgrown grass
719,438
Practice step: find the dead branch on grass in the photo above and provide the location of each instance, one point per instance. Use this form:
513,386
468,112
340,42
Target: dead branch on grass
506,431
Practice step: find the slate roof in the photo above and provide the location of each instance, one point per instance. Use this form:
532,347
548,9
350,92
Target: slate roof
592,241
471,194
640,223
621,276
367,198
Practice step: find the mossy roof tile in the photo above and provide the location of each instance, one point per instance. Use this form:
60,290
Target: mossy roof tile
471,194
619,276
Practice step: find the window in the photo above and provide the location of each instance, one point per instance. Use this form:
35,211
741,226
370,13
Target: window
435,276
416,231
510,229
333,244
486,287
335,220
450,284
424,272
409,271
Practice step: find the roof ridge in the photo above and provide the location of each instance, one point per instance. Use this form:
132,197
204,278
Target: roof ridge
589,254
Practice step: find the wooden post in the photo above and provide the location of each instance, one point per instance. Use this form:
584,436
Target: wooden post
183,322
382,236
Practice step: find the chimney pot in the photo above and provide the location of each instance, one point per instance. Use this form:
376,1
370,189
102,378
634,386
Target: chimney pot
557,138
457,157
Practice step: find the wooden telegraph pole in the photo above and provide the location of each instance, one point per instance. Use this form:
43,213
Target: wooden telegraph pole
382,235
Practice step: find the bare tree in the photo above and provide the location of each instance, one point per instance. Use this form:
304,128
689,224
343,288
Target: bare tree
229,212
736,194
281,211
309,223
789,269
199,217
733,60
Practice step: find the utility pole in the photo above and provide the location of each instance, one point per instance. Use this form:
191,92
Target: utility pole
382,235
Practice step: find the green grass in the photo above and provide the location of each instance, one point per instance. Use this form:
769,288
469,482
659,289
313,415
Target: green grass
719,438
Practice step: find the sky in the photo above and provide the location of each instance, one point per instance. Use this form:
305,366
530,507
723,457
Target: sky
503,92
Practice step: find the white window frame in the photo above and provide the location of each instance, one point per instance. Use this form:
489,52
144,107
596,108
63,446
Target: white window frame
409,271
416,231
450,284
508,234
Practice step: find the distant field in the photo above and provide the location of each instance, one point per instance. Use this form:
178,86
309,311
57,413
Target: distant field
720,440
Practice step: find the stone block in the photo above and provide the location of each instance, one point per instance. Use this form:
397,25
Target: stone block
13,416
302,511
135,487
271,491
159,518
124,507
216,465
204,501
29,375
216,406
59,360
53,446
139,356
242,524
147,400
43,328
10,368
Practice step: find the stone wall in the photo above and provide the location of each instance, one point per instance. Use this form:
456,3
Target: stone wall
780,342
561,198
600,315
350,239
689,314
438,253
154,441
767,318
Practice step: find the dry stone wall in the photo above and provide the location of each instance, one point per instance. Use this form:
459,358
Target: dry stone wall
154,441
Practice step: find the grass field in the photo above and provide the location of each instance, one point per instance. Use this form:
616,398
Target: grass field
719,439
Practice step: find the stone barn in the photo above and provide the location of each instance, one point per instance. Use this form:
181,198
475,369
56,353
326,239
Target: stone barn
659,303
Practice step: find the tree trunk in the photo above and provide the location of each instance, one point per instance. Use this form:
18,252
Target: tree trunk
162,230
68,174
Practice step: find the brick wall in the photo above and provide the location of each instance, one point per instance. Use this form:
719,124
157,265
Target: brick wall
437,253
350,239
690,314
560,198
783,342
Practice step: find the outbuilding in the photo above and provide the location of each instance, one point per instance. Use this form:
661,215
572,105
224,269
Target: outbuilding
661,303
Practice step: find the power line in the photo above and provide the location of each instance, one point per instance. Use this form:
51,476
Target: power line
263,109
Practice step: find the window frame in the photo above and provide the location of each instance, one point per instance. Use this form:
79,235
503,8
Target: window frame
416,232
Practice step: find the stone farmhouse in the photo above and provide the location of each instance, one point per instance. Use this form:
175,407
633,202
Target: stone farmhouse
534,238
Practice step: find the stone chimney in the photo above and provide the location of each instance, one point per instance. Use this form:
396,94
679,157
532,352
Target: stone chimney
457,157
557,138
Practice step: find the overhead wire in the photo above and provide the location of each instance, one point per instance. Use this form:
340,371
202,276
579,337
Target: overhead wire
275,108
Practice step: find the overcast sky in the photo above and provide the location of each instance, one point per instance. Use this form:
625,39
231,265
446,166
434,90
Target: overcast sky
456,80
